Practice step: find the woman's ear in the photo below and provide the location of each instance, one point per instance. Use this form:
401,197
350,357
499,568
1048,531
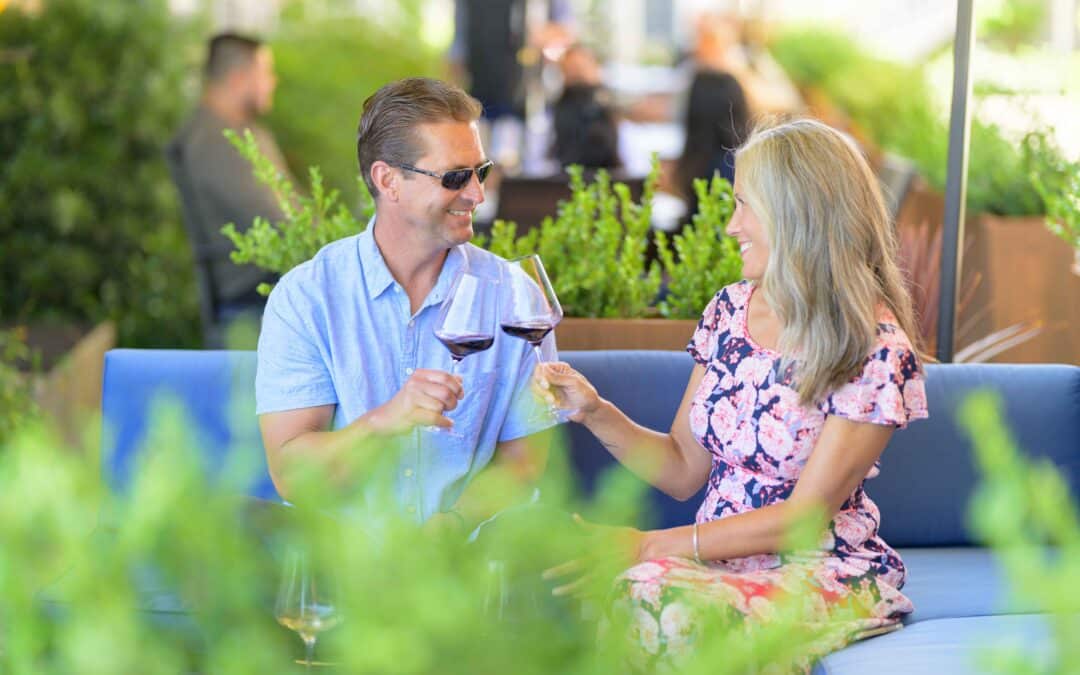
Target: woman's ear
386,179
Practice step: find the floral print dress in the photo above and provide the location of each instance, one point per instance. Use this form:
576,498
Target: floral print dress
747,415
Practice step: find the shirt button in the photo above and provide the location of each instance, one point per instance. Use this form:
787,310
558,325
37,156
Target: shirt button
412,322
408,371
408,473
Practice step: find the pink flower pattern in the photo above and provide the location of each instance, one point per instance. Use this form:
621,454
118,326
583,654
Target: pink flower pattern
747,415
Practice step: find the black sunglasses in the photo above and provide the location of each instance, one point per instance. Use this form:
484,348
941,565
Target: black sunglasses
455,179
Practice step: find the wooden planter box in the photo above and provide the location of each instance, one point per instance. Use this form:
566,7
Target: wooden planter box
670,334
1028,277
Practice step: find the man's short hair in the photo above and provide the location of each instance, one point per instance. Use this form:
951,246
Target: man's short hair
387,129
228,51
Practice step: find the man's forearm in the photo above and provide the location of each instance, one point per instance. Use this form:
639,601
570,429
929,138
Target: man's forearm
335,456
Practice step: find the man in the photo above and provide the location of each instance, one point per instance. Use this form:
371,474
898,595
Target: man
216,183
347,340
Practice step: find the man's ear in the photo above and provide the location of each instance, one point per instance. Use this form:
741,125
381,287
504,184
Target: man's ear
386,179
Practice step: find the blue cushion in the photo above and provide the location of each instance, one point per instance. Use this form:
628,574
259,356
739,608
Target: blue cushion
927,476
956,582
216,391
648,387
950,646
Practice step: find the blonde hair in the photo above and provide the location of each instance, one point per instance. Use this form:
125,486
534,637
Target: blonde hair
833,251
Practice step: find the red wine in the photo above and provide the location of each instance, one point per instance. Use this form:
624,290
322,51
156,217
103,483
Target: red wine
532,332
461,345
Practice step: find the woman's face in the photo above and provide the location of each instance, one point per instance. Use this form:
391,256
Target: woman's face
750,233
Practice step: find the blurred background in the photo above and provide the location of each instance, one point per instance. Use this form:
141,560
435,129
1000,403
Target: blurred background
93,251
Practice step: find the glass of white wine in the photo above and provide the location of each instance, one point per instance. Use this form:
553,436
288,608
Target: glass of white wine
306,600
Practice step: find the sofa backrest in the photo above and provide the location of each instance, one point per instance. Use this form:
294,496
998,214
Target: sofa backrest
927,474
215,389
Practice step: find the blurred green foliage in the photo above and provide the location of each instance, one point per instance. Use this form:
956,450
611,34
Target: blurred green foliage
893,105
177,574
17,405
1013,23
328,61
1057,181
1023,510
89,223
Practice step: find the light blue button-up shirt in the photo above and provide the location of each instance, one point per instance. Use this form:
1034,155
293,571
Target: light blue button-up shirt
337,330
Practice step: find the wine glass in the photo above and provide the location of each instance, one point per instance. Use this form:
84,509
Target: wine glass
306,600
530,308
466,321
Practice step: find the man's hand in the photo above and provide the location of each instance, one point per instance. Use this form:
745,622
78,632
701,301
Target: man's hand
427,394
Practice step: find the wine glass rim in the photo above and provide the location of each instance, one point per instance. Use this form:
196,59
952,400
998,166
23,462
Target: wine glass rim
525,257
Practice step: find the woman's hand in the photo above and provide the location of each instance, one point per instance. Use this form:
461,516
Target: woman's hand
566,388
608,552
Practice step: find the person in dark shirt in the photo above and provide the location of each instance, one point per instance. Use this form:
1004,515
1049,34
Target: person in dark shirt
216,183
586,128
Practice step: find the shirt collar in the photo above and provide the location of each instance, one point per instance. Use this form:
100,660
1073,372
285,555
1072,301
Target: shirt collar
378,277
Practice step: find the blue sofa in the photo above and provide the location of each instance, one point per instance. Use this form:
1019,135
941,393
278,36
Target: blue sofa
927,477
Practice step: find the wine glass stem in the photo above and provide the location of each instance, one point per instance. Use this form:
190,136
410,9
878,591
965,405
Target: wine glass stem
309,650
539,353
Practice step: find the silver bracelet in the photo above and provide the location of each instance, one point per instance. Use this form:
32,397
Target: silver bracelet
697,553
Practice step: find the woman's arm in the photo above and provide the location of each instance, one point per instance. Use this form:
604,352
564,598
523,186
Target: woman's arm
674,462
844,453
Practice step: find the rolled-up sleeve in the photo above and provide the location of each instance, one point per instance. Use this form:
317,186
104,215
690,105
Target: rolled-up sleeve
292,370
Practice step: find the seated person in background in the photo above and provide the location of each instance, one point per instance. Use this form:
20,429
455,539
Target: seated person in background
717,120
720,45
586,131
217,183
347,350
804,369
717,116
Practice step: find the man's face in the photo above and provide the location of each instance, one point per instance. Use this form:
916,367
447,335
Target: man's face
261,81
441,215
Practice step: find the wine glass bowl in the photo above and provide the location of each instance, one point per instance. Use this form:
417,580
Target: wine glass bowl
530,308
466,321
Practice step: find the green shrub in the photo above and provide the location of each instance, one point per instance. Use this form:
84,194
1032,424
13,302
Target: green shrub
594,248
17,406
89,224
312,222
1057,181
328,61
893,105
1023,509
81,568
704,258
1015,22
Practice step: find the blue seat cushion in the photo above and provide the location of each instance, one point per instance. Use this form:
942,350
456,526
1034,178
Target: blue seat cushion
953,646
957,582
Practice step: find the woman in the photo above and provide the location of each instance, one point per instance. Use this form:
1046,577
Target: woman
803,370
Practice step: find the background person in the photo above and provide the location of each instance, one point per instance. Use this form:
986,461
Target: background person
216,183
